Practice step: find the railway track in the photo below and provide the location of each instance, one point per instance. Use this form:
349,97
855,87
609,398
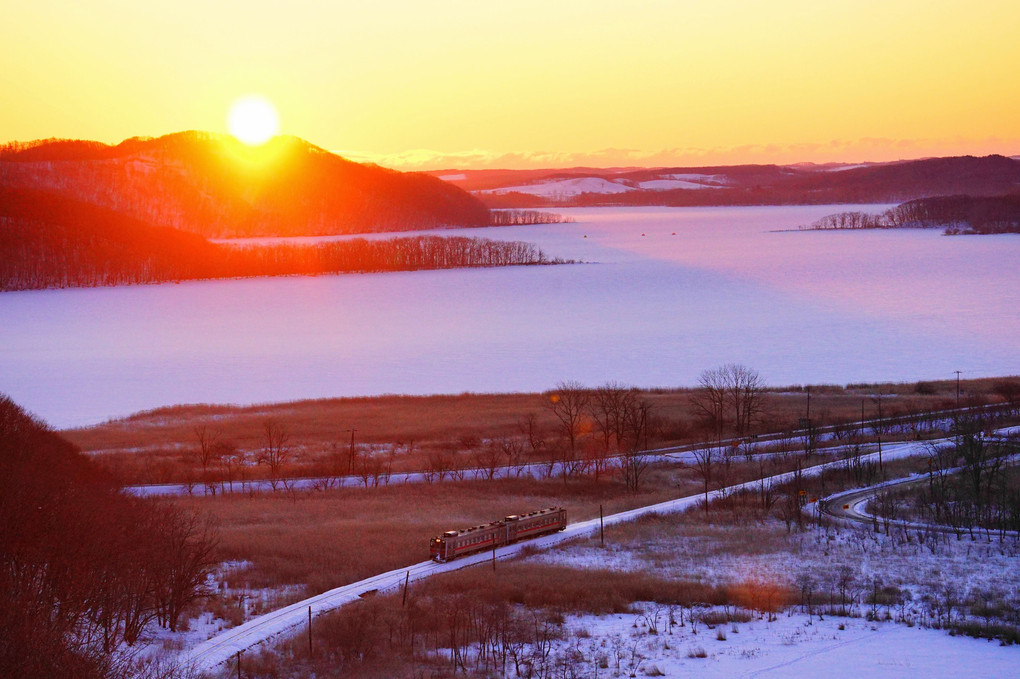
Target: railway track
221,648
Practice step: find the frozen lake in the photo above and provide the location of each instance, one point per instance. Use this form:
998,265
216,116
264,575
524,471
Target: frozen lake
650,309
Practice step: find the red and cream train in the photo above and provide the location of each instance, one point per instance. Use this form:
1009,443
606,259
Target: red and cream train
513,528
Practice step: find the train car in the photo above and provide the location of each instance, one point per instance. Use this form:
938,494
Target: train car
455,543
521,527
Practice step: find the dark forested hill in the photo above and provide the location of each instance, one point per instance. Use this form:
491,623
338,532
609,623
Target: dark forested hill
216,186
51,241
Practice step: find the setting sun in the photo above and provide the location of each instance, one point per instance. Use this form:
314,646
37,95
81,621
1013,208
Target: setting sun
253,120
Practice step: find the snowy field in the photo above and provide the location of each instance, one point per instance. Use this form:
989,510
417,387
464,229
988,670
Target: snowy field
792,646
561,189
666,293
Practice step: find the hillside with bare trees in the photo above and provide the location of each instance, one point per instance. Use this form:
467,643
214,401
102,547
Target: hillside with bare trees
84,569
49,241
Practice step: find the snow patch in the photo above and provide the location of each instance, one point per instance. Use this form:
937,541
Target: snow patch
668,184
565,188
792,646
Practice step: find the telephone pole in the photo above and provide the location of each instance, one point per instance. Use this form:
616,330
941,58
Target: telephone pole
957,388
350,456
880,467
602,528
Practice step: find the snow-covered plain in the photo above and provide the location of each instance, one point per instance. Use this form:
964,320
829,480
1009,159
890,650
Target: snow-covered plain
792,646
650,308
669,184
565,188
560,189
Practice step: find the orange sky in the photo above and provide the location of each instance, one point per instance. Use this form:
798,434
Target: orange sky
452,83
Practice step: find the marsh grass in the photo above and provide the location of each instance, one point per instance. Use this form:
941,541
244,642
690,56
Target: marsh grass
158,446
324,539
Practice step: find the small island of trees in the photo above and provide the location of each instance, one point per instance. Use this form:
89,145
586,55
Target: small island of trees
956,214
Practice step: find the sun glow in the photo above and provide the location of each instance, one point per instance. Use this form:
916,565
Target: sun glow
253,120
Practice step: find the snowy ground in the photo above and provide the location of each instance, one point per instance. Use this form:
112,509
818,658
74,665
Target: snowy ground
718,554
566,188
560,189
792,646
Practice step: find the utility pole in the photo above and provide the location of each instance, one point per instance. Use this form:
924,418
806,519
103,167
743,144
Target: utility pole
602,528
350,457
881,468
407,581
309,631
809,437
238,665
957,388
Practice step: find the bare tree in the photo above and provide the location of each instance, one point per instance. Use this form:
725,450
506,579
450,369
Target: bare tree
275,451
732,392
530,430
636,422
229,458
371,468
704,466
606,407
512,449
489,458
709,401
206,451
568,403
186,558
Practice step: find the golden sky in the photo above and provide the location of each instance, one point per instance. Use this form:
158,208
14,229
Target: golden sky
522,83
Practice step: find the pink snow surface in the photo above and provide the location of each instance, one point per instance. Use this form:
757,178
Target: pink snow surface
796,647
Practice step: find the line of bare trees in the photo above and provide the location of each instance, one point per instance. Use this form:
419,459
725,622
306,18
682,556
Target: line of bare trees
61,244
524,218
731,397
956,214
84,569
600,430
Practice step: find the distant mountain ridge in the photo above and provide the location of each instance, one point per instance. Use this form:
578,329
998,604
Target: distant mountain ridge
216,186
892,182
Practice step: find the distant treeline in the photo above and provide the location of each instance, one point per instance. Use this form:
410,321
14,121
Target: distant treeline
524,218
53,242
955,214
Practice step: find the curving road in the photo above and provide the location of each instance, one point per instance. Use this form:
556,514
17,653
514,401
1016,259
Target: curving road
849,506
